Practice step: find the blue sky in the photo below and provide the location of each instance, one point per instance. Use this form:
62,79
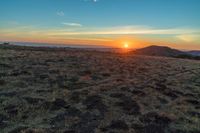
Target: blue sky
85,20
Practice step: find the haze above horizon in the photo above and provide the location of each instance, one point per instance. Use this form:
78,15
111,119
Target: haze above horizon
138,23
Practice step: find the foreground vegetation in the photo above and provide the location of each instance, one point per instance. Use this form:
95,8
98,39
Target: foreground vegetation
78,91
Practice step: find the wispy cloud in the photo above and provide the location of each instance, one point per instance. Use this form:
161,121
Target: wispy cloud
180,33
72,24
60,13
128,30
189,37
78,32
91,0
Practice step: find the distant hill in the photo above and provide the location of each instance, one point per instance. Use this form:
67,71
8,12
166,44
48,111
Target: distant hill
194,52
159,51
168,52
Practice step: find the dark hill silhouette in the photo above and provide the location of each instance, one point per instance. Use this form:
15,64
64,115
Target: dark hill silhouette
159,51
194,52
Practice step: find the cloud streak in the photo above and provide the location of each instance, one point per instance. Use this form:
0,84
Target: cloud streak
91,1
189,37
60,13
127,30
104,34
72,24
118,30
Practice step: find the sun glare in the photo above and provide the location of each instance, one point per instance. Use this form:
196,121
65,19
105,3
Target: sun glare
126,45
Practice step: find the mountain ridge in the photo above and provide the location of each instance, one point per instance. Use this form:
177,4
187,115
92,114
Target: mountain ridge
165,51
155,50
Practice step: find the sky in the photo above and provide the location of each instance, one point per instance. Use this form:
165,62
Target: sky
139,23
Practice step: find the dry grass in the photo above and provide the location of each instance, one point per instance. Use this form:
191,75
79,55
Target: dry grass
86,91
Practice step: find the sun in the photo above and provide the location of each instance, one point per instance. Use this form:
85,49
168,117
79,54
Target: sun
126,45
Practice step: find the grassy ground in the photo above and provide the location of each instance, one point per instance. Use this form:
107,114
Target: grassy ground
77,91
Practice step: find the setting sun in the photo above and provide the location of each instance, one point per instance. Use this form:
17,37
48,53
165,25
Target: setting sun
126,45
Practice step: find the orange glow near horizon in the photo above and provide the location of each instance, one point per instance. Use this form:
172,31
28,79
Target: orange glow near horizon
124,42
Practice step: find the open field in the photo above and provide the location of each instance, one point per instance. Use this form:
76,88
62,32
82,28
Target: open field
77,91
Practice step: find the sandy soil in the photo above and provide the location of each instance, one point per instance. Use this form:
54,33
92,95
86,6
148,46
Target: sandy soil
77,91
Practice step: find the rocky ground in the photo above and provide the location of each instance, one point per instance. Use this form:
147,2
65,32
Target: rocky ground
77,91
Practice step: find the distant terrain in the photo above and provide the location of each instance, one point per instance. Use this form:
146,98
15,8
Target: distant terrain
167,52
152,50
194,52
159,51
67,90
